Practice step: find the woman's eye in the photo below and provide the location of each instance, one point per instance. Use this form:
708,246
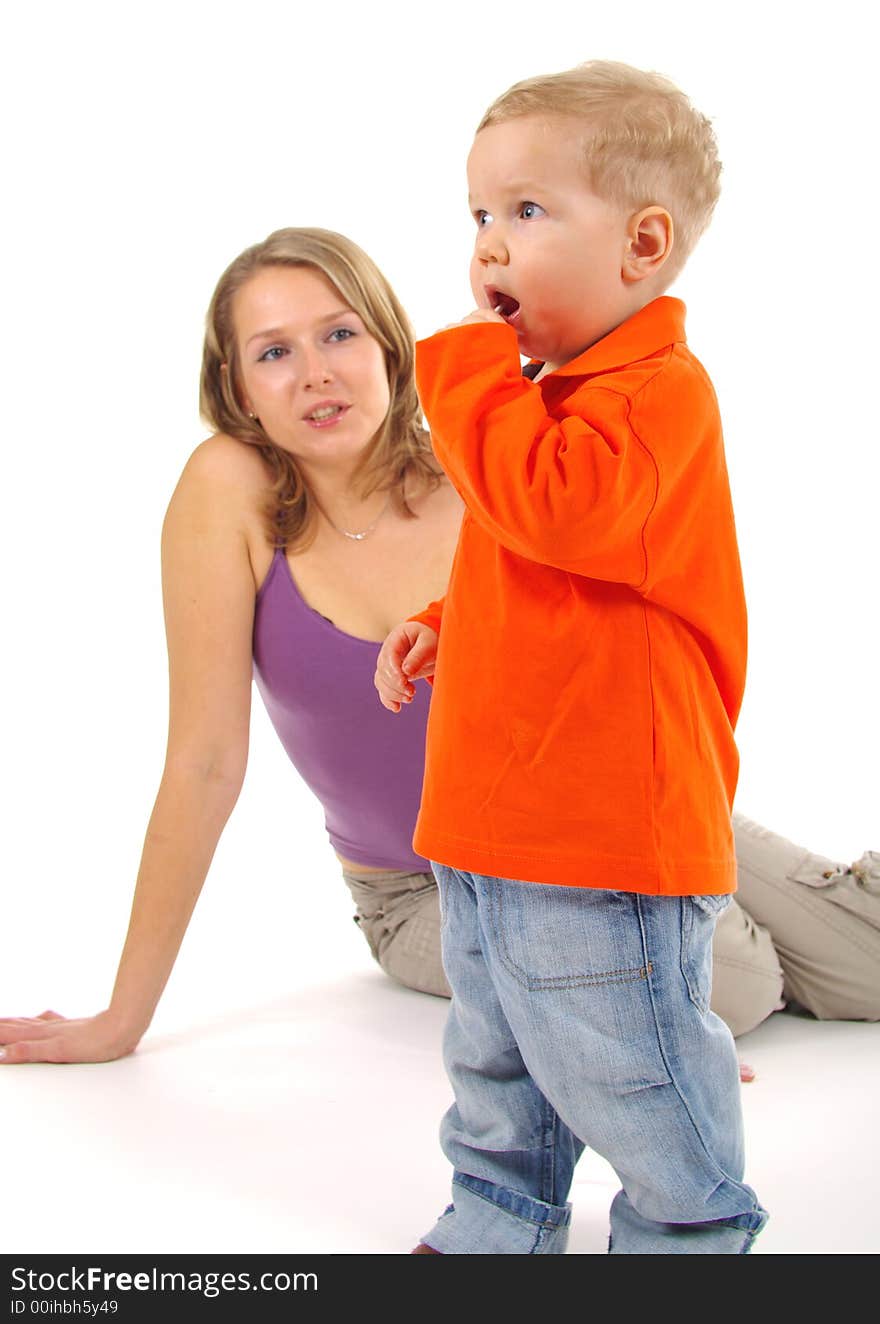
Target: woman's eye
529,210
271,355
341,333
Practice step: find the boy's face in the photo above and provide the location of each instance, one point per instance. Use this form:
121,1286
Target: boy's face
548,252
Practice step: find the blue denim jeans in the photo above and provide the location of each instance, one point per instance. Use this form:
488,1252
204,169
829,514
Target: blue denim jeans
581,1017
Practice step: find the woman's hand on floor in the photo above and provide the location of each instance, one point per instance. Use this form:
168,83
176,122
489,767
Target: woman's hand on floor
52,1038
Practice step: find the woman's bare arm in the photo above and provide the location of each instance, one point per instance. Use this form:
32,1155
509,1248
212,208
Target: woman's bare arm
209,595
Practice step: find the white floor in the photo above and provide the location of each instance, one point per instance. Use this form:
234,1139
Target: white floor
308,1124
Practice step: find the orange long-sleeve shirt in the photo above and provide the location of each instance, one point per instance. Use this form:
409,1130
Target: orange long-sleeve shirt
592,649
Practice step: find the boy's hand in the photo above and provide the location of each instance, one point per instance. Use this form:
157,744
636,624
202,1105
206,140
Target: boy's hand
407,655
478,315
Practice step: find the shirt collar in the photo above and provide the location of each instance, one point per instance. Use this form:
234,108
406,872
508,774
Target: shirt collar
659,323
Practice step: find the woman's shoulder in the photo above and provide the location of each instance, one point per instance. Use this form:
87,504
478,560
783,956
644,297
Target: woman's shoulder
223,486
223,462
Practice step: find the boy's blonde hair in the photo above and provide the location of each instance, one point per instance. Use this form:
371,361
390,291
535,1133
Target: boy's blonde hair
643,142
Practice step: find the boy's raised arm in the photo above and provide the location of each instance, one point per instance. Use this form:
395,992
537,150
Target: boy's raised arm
574,492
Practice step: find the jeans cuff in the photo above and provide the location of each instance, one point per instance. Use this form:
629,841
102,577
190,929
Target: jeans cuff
486,1219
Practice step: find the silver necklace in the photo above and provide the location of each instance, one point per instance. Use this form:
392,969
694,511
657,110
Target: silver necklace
365,533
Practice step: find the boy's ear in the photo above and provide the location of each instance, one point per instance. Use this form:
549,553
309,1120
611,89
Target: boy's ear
649,239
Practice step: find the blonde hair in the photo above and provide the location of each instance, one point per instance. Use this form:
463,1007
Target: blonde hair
400,449
643,142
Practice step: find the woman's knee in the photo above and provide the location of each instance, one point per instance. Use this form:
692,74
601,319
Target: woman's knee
747,978
403,934
411,955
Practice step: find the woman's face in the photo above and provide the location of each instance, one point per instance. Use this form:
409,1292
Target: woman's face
310,371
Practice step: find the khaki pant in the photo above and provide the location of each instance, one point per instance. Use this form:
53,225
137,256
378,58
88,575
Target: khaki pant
802,930
802,923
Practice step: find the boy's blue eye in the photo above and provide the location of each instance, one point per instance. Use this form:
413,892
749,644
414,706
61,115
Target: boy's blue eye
530,210
482,217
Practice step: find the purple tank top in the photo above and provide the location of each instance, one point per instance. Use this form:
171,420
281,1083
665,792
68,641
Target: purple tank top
363,763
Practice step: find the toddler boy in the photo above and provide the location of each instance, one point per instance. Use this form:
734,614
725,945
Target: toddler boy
589,660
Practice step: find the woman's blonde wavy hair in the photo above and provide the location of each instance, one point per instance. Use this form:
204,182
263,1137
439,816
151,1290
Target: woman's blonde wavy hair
400,450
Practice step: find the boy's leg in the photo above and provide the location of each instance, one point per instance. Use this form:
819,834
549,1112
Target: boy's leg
823,917
513,1157
606,994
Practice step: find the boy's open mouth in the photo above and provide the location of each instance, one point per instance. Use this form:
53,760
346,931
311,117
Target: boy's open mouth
503,304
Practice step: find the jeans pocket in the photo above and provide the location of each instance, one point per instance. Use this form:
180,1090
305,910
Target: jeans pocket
699,915
550,937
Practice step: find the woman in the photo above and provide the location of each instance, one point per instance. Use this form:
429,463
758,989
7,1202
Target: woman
299,534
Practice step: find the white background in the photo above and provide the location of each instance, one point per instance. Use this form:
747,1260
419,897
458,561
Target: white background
145,147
